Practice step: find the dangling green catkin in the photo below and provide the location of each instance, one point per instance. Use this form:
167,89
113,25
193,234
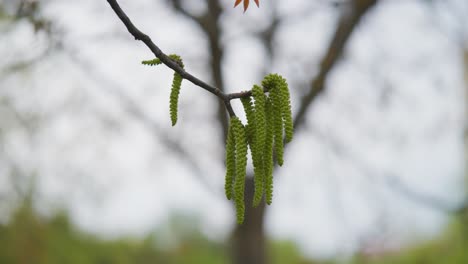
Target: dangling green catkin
249,113
175,90
241,164
174,97
286,109
260,132
176,84
268,153
277,125
230,161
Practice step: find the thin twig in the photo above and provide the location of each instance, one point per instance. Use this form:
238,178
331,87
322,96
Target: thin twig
138,35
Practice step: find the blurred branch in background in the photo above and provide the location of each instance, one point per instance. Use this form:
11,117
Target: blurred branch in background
390,180
348,22
133,109
426,200
31,11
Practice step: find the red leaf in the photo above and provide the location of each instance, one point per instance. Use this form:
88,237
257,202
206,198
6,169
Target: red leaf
246,3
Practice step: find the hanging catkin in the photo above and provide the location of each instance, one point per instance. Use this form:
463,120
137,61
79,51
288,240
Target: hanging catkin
230,161
241,164
260,134
268,153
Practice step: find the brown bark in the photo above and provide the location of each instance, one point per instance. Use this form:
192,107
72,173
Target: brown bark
248,244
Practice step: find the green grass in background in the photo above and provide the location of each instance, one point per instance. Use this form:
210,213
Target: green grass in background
29,238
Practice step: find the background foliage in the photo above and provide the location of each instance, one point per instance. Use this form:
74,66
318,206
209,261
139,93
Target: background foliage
31,238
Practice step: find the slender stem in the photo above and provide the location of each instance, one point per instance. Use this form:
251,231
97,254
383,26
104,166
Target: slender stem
239,95
227,103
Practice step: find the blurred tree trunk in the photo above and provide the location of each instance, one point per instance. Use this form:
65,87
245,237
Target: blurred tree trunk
464,211
248,239
465,74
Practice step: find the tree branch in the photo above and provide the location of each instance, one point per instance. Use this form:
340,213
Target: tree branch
347,24
425,199
178,7
138,35
392,181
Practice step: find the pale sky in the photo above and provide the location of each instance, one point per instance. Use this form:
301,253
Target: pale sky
393,108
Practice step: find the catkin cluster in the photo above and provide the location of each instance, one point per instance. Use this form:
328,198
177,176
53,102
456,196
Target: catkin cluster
269,120
176,85
269,126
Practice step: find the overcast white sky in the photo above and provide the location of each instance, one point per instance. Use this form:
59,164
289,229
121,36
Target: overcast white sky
394,107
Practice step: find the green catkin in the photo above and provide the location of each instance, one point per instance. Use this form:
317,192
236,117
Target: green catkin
286,109
268,153
276,82
157,61
271,81
250,130
177,59
249,113
277,125
176,85
260,132
241,164
174,97
152,62
255,152
175,90
267,120
230,161
279,91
